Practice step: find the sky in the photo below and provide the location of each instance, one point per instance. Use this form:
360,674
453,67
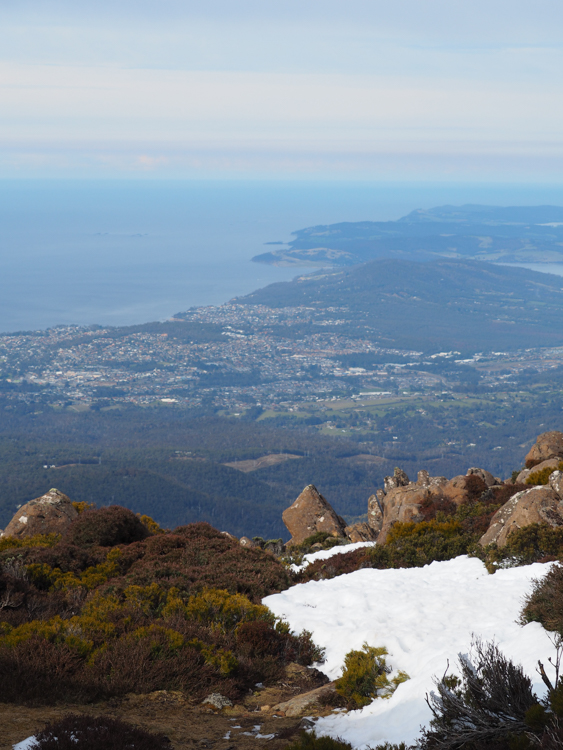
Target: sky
442,90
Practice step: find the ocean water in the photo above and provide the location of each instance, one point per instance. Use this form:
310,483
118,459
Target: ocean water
118,253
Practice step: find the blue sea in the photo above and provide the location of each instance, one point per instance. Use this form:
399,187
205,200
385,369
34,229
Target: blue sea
118,253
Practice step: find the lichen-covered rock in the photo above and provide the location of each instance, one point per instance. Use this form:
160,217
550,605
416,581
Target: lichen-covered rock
399,479
536,505
311,513
550,463
548,445
361,532
556,483
375,510
52,513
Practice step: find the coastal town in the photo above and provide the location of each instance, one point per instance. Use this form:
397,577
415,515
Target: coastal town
240,357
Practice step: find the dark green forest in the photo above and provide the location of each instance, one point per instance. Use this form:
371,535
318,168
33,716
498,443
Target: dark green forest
168,462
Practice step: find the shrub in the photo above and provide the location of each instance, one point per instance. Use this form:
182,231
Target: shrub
544,604
195,557
151,524
485,708
106,527
417,544
532,543
90,622
310,741
542,476
365,677
225,610
37,540
84,732
81,506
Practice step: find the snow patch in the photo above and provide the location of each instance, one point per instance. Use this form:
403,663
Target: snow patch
424,617
324,554
29,744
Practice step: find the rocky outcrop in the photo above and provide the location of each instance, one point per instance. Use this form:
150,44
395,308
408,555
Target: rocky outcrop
548,445
51,513
551,463
375,511
536,505
403,500
311,513
360,532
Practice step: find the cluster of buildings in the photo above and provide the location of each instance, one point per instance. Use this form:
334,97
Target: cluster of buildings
258,356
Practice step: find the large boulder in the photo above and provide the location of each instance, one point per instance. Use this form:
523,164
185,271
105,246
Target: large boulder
51,513
536,505
548,445
311,513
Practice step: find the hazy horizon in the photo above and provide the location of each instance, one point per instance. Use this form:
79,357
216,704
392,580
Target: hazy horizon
433,91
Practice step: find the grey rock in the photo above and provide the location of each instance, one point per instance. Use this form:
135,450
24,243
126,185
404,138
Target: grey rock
217,701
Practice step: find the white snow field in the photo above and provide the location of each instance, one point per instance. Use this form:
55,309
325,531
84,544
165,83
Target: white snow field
424,617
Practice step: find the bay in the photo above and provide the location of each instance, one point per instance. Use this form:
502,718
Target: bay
125,252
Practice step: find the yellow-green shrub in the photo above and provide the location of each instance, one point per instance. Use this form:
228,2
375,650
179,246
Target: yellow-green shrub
413,530
220,658
55,630
161,639
46,577
37,540
542,476
219,608
81,506
151,524
365,677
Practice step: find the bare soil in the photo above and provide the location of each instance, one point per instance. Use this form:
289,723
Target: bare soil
189,726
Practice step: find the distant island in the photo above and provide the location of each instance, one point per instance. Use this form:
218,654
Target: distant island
514,234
